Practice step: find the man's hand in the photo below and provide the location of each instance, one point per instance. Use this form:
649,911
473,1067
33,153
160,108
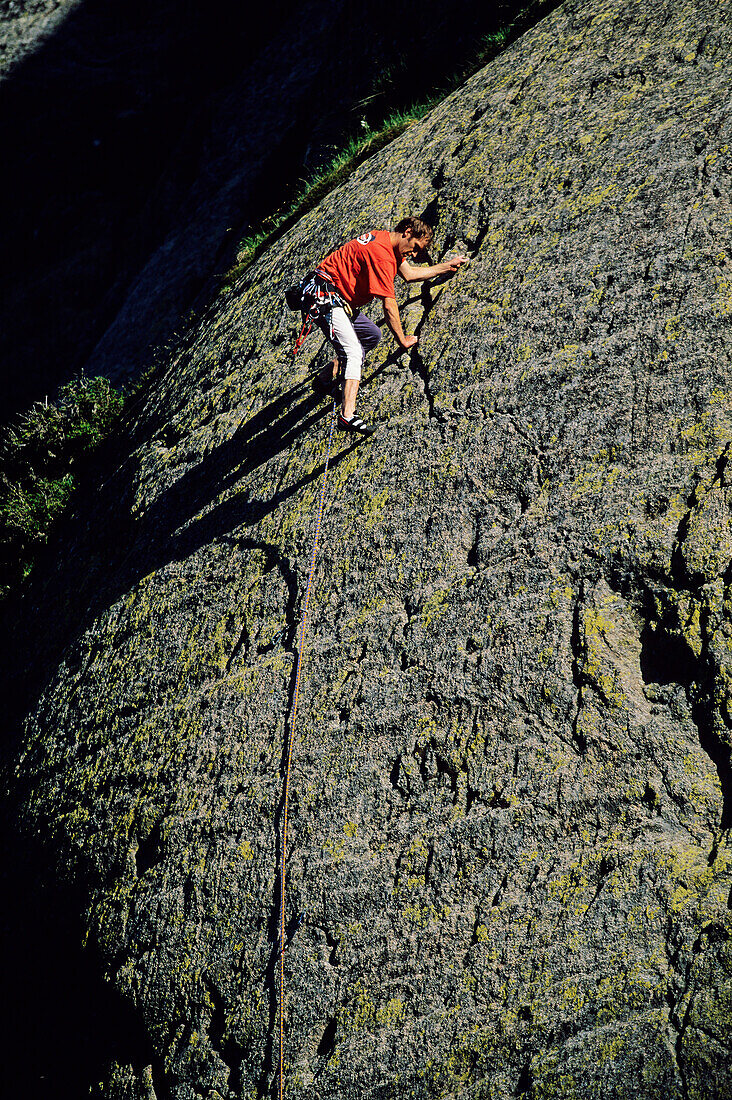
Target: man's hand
452,265
409,342
417,274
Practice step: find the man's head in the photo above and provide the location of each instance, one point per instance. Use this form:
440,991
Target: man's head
414,237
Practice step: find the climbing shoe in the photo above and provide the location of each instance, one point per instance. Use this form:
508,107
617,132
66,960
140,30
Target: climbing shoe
355,424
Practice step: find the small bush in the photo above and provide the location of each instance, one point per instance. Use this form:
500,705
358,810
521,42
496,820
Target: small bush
40,455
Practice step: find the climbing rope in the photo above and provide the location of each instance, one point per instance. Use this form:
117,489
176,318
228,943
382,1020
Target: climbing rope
290,740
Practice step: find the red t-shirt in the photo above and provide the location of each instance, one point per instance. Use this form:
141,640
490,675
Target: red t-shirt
362,269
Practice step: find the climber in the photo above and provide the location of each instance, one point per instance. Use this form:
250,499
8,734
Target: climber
348,279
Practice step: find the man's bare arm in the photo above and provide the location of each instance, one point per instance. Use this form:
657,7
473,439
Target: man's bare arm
412,274
391,312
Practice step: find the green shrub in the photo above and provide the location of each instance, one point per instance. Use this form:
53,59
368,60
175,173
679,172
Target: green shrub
40,457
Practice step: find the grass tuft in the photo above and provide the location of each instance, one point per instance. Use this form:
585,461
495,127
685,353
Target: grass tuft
314,189
40,455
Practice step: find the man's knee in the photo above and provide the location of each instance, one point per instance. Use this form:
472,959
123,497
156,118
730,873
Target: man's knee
353,369
368,333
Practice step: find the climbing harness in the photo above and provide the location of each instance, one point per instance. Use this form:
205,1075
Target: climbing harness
316,298
283,938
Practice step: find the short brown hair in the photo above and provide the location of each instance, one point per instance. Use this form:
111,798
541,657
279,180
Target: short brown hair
419,228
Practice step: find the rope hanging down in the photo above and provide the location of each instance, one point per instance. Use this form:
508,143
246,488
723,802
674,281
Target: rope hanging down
290,740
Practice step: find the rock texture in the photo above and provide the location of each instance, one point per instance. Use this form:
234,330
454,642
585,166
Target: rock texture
511,783
25,26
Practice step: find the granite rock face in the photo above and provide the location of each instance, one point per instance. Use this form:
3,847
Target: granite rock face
511,786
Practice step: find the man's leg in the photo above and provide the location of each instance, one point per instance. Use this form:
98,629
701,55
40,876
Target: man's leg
350,391
350,352
350,357
368,335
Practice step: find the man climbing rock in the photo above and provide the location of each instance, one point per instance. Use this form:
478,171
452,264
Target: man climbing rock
348,279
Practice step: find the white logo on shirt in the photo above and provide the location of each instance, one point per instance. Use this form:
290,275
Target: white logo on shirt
366,238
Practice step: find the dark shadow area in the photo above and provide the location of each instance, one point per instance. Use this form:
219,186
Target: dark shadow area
111,110
105,549
61,1024
326,1046
666,659
137,126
